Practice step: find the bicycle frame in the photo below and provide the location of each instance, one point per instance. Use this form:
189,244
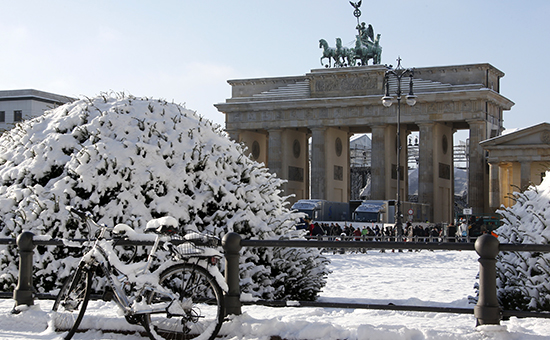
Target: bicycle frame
98,257
182,297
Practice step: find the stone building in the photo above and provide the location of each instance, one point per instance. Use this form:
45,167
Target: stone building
275,117
19,105
516,160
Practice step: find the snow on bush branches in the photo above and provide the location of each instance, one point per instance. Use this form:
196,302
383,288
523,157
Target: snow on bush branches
522,277
129,160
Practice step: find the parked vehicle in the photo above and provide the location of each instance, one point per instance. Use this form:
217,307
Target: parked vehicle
322,210
384,211
370,211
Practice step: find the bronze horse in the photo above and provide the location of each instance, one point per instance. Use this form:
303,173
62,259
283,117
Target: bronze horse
328,53
343,56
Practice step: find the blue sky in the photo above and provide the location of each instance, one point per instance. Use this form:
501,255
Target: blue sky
186,50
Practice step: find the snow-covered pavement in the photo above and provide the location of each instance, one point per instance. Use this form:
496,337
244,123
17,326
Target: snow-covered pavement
440,278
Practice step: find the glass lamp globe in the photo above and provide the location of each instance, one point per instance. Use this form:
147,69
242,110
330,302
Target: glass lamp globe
411,100
387,101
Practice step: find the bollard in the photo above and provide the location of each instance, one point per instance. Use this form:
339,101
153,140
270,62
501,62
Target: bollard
231,243
487,309
23,294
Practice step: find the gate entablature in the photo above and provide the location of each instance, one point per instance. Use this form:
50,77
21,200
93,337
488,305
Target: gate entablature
345,96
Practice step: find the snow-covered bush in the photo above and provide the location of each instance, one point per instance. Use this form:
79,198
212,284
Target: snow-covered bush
523,277
129,160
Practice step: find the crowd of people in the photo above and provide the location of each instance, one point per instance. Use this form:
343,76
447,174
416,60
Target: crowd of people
462,232
376,232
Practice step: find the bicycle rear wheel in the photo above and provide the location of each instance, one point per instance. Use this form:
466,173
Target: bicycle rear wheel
199,310
71,302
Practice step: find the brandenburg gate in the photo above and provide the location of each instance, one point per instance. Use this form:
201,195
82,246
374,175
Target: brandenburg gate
275,117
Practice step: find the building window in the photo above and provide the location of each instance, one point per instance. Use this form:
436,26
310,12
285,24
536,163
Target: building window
2,116
17,115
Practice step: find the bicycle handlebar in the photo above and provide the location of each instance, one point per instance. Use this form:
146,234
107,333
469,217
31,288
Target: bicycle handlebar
80,214
87,218
200,240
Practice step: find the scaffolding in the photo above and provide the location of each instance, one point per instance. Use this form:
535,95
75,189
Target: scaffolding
360,154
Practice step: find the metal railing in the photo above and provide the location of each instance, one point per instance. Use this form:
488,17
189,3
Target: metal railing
486,311
24,293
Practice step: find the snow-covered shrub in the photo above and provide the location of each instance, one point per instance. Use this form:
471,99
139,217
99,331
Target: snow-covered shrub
129,160
523,277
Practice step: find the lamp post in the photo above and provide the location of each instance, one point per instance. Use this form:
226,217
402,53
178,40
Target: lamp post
398,73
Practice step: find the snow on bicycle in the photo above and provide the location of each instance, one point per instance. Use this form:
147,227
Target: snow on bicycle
178,296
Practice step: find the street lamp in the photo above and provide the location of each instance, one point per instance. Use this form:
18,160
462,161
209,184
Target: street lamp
398,72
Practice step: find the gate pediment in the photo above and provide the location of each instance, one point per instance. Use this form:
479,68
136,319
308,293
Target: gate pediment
534,135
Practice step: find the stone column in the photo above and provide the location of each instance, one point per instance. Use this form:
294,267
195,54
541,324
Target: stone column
476,174
378,163
307,168
525,174
275,152
494,186
505,179
426,166
452,198
348,146
318,163
404,186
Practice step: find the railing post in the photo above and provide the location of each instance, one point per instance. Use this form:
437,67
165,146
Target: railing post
231,243
23,294
487,309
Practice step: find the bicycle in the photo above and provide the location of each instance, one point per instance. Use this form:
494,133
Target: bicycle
178,300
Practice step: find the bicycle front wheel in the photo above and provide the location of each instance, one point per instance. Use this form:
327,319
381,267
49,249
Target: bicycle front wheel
199,311
71,302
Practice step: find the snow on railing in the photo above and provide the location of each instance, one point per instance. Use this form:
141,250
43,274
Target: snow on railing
487,311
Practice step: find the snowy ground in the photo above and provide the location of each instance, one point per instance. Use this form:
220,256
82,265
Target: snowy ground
440,278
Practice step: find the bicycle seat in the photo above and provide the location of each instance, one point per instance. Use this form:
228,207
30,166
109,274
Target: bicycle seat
162,230
167,225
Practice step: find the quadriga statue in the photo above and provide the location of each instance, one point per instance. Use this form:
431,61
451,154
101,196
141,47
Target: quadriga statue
366,47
